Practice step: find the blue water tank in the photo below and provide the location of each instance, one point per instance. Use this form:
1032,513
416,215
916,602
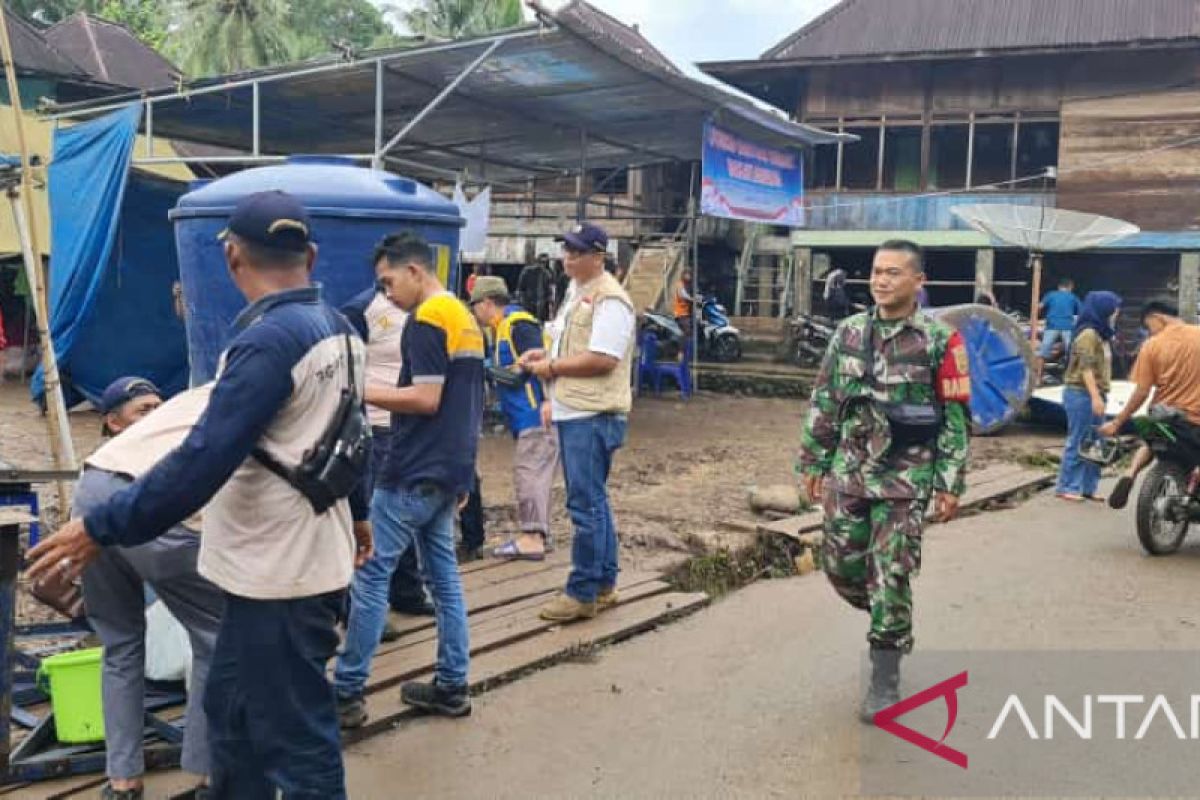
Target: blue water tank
352,208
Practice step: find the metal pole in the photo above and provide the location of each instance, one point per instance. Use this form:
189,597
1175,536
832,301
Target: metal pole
256,149
61,447
581,181
694,248
1035,259
377,159
149,130
970,148
441,96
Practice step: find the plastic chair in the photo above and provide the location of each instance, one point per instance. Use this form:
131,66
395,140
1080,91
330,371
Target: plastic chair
647,357
679,371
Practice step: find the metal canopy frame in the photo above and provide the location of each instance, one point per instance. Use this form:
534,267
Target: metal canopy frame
575,91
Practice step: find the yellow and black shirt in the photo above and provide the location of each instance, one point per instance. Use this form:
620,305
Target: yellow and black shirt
442,344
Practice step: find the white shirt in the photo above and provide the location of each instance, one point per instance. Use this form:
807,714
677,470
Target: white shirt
612,332
385,327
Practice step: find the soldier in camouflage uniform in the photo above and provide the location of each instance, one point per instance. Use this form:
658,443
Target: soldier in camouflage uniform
874,488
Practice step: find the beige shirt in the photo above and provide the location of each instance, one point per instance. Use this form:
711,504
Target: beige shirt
385,328
261,537
141,446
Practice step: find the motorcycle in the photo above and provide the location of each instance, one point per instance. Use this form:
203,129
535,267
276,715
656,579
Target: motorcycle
719,340
808,339
1169,499
666,332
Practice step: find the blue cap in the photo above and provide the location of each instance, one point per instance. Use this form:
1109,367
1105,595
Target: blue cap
587,237
272,219
122,390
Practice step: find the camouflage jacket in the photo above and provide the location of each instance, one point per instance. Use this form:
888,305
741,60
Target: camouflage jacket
917,360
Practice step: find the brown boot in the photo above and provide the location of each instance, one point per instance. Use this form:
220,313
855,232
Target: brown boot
564,608
607,598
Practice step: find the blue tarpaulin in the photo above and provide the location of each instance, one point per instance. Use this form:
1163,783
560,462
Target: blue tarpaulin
113,263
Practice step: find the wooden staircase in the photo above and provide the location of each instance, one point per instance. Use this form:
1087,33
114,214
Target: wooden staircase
654,270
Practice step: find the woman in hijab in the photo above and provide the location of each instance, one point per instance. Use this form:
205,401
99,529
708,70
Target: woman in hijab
1087,381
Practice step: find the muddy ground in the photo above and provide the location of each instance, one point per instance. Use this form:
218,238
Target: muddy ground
680,486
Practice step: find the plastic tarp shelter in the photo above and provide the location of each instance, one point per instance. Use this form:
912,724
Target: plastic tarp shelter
114,266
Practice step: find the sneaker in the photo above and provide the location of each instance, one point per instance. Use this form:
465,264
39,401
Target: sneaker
607,598
468,554
109,793
449,701
352,712
1120,492
415,607
390,633
564,608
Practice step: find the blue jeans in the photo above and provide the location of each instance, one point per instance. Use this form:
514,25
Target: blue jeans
272,721
587,447
421,515
1052,335
1077,476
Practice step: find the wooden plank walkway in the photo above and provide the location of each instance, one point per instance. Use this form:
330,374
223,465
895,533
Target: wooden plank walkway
991,483
508,640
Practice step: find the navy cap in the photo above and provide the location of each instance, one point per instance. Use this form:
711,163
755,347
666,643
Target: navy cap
586,237
122,390
272,219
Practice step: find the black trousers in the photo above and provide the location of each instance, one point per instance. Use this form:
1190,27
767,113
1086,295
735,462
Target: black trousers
272,717
472,517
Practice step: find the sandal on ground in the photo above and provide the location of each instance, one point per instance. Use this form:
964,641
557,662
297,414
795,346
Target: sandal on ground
1095,498
512,552
1070,498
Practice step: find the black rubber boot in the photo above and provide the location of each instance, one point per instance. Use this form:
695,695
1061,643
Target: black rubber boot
884,690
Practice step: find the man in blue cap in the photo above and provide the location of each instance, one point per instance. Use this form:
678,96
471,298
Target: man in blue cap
283,567
588,367
125,401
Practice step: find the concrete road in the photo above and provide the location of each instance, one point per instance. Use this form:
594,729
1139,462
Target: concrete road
755,696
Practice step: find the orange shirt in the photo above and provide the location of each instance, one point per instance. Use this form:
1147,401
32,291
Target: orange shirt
683,306
1170,362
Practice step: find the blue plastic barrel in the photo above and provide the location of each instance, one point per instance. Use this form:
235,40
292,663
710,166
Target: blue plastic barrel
352,208
1001,363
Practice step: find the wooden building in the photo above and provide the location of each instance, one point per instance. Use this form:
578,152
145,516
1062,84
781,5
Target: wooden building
1089,105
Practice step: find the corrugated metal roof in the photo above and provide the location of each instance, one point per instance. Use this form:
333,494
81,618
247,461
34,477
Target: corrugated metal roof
521,114
903,27
111,53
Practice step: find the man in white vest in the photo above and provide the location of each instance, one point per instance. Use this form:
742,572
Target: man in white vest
588,367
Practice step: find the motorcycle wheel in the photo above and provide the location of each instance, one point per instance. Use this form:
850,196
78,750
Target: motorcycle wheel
1165,482
807,358
727,348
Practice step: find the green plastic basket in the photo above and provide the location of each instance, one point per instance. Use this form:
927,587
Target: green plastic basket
73,682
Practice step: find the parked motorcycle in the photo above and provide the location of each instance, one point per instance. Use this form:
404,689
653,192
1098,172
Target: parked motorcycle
719,340
666,331
1169,499
808,339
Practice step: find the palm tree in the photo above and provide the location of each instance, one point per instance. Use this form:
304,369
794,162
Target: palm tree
223,36
453,19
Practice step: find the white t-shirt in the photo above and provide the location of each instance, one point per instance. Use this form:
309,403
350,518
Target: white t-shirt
385,328
612,332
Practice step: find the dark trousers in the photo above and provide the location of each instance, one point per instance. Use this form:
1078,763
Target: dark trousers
407,588
472,517
273,722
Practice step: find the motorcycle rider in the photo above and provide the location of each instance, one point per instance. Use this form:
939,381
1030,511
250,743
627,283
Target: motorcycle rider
1169,366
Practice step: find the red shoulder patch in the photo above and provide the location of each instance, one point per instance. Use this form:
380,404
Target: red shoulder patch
954,374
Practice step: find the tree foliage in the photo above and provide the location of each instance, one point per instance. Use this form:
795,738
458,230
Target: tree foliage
213,37
452,19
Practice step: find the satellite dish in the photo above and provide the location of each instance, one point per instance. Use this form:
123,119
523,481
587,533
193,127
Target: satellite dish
1044,230
1039,230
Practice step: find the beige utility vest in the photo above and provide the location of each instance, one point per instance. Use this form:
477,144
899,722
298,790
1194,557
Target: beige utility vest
604,394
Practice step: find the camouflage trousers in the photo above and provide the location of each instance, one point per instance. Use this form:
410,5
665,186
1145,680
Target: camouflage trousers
870,554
